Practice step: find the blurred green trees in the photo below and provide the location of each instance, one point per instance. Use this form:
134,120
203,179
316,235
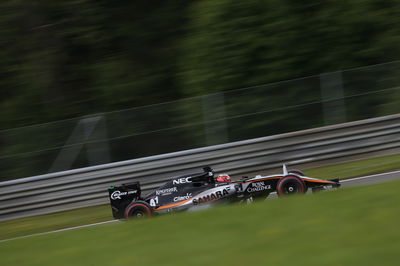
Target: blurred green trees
62,59
235,44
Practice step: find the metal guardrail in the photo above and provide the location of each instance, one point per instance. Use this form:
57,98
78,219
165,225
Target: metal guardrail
88,186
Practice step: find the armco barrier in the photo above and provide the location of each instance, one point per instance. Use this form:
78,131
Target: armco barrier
88,186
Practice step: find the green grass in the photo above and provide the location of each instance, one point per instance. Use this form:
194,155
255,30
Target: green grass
357,168
354,226
54,221
44,223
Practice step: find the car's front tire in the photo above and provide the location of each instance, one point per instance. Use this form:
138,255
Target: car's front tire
138,209
296,172
290,185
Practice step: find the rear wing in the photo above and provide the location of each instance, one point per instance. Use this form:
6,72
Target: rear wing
121,196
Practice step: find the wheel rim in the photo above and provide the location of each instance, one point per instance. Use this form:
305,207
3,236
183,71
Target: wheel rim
291,188
138,214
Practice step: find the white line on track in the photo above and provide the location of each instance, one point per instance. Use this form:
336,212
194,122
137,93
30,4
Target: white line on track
111,221
368,176
60,230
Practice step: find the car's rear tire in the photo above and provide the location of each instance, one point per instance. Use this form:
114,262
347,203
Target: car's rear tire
138,209
290,185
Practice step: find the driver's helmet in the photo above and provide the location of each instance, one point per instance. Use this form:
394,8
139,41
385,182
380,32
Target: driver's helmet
224,178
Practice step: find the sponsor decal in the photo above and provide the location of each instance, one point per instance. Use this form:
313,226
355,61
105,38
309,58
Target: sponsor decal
117,194
166,191
212,196
258,186
187,196
154,202
182,180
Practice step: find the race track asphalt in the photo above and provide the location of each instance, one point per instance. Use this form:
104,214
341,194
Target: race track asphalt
371,179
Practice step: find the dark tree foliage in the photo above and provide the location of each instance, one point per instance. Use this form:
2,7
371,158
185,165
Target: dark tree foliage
63,59
235,44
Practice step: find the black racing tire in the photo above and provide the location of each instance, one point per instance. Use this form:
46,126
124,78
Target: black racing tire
296,172
138,209
290,185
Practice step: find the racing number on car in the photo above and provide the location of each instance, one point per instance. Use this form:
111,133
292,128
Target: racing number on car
154,202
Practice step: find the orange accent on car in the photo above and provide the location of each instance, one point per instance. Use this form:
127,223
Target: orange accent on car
172,205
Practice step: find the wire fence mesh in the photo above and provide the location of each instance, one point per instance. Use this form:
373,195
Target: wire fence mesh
228,116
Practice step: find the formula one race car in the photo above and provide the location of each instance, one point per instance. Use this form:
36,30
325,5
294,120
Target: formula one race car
195,190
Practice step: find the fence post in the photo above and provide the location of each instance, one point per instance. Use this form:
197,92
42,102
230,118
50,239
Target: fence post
215,119
334,108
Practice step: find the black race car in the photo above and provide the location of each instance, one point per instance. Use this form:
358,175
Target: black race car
201,189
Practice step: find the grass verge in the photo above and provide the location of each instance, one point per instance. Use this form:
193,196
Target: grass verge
60,220
357,168
355,226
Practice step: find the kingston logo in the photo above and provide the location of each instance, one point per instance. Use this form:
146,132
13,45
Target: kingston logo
166,191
